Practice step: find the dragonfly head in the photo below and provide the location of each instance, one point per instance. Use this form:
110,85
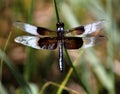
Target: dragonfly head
60,26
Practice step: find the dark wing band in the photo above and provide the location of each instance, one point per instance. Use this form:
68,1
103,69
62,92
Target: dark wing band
34,29
73,42
49,43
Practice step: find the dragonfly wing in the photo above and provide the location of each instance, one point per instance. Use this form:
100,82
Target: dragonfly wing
85,42
73,42
91,28
91,41
37,43
28,41
34,29
87,29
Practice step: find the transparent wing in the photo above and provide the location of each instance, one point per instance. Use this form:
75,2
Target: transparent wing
37,43
34,29
92,41
86,30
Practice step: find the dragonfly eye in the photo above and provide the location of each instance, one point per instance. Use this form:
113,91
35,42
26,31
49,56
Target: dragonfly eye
60,24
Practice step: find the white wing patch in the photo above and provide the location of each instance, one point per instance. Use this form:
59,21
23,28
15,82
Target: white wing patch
91,41
28,41
88,42
90,28
26,27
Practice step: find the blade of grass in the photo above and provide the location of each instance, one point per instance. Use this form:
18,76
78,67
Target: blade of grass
16,74
1,64
64,82
111,47
30,52
30,11
3,89
56,11
99,70
57,85
71,18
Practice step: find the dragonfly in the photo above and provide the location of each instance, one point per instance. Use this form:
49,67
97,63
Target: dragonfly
71,39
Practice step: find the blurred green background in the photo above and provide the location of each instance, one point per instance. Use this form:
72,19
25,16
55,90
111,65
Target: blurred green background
96,70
